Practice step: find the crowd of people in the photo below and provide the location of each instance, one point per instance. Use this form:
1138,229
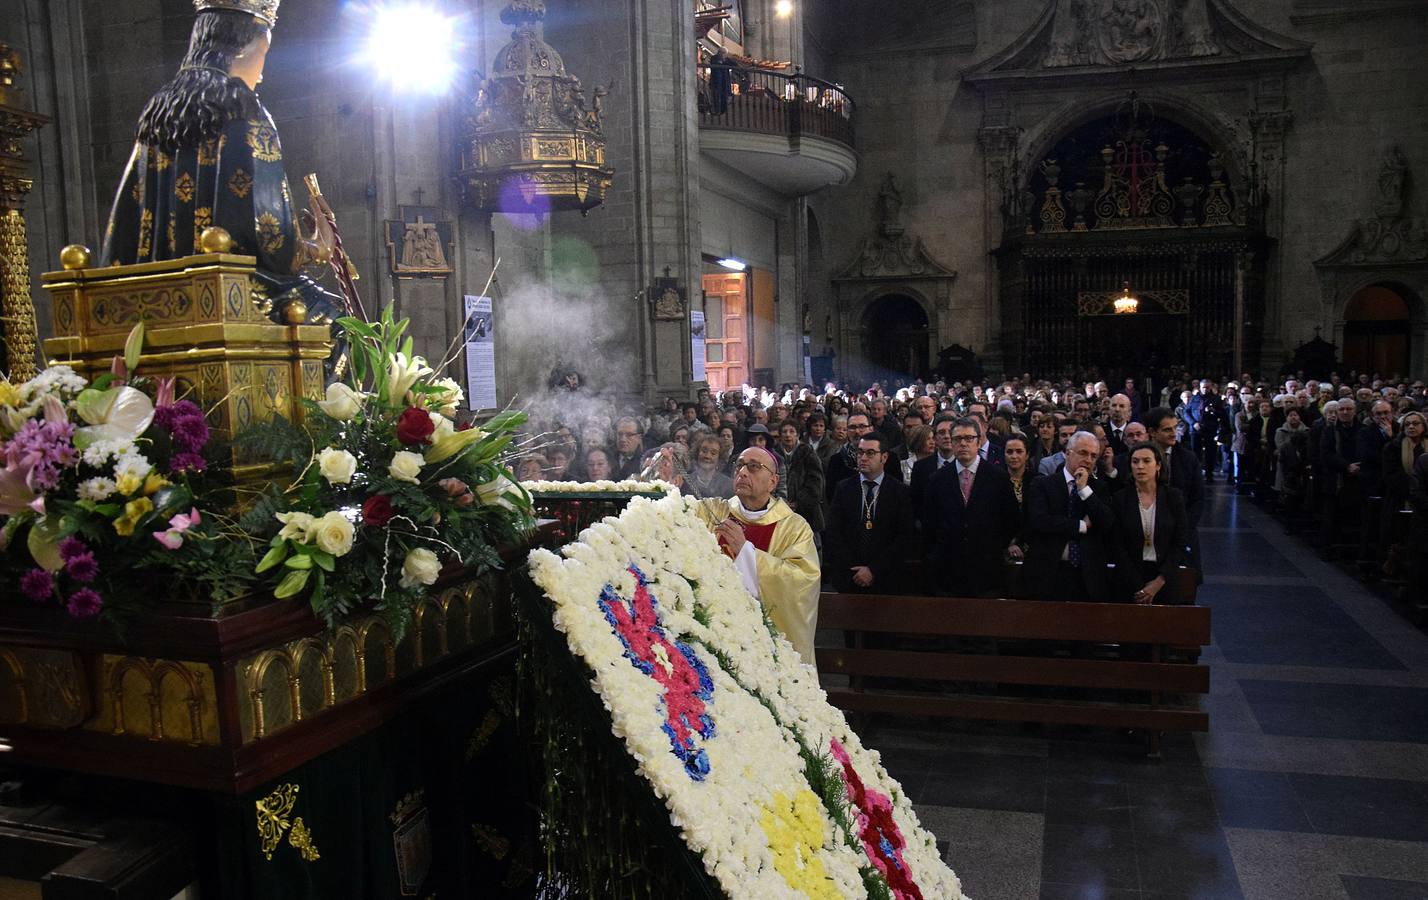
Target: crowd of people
1036,488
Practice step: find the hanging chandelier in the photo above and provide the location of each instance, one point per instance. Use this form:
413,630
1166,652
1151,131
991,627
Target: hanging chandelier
1125,303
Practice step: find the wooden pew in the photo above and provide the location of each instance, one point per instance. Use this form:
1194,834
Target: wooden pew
1159,693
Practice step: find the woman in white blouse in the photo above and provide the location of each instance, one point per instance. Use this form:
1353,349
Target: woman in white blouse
1152,530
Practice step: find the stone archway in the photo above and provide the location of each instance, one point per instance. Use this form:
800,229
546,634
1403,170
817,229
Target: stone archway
895,338
1380,329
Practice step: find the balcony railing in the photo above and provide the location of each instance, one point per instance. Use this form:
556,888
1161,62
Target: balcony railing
759,100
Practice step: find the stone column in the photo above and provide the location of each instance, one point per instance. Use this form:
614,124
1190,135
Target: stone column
16,305
1001,182
1270,125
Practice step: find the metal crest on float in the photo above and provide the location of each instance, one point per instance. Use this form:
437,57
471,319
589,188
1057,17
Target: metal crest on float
533,143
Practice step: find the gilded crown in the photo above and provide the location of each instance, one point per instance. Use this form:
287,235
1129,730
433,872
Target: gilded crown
267,10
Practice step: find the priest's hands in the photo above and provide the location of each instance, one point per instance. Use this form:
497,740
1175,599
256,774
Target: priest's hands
862,576
731,535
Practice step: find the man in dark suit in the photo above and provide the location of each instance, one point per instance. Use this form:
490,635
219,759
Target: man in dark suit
870,532
924,469
987,448
844,463
1067,528
972,514
1116,426
1186,472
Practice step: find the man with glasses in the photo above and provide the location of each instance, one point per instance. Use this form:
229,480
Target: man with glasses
870,532
924,469
844,463
771,546
629,444
969,518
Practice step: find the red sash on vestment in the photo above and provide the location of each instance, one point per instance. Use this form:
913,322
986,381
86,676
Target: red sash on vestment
758,535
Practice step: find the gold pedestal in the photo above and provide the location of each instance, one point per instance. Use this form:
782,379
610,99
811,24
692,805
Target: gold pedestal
202,327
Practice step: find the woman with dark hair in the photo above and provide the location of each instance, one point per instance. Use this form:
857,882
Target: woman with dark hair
207,154
1152,530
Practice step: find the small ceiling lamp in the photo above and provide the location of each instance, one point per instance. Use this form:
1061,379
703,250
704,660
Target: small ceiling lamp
783,8
1125,303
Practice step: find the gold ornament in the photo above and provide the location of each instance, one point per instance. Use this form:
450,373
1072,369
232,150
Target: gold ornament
295,313
215,239
75,256
267,10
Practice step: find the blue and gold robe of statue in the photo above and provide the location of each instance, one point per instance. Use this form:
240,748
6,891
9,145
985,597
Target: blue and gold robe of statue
235,180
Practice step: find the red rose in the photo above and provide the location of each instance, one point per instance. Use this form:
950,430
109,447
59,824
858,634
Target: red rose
465,426
377,511
414,426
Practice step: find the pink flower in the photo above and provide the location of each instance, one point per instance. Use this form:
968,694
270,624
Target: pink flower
172,538
54,410
164,393
16,494
118,370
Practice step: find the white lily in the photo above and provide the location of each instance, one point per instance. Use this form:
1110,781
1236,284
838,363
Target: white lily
402,373
118,414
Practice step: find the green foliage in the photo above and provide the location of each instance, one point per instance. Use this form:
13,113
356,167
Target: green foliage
275,438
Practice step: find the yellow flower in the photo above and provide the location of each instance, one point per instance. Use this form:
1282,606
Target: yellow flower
154,483
9,394
794,829
451,443
134,510
128,483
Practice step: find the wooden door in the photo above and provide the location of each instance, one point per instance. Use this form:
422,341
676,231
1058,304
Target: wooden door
725,323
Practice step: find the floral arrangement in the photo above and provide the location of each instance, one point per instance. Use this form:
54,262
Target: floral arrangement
762,777
105,484
385,480
100,487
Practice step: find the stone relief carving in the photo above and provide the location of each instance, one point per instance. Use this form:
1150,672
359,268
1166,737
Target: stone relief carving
1391,234
1117,32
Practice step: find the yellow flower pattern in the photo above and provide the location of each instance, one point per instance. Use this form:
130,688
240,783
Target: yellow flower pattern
183,188
794,829
240,184
263,141
270,233
146,233
202,218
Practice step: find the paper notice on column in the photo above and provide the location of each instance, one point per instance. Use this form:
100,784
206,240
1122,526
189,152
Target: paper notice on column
480,354
696,343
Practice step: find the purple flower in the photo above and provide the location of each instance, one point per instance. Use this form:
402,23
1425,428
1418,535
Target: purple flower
38,585
82,567
191,432
187,461
84,603
71,547
49,445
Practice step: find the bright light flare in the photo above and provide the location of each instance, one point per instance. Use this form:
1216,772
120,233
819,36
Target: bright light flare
737,265
413,47
783,8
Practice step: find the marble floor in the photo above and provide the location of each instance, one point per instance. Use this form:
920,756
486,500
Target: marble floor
1312,783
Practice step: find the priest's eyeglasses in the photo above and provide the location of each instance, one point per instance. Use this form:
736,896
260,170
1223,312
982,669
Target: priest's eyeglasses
753,466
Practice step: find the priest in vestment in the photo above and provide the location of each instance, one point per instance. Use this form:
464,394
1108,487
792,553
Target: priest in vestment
772,547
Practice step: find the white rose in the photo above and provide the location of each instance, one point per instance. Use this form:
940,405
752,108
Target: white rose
420,567
336,465
296,525
442,425
342,402
406,466
333,533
